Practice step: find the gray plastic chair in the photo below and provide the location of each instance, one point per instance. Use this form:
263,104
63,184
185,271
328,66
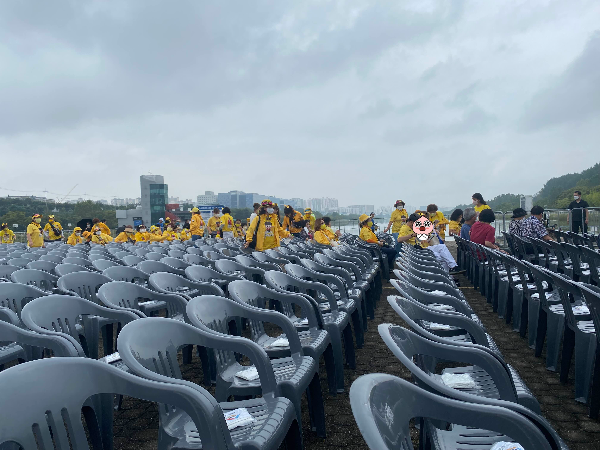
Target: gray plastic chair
176,253
194,251
41,280
163,249
65,269
143,343
198,260
208,275
337,323
102,264
273,259
125,273
215,256
154,256
132,260
351,306
247,261
229,267
31,256
58,315
130,296
123,253
383,406
175,263
315,341
169,283
150,267
10,350
21,263
142,252
6,271
52,258
79,261
493,378
97,256
45,266
15,296
294,374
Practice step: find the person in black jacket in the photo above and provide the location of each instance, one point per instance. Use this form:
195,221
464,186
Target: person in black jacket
579,213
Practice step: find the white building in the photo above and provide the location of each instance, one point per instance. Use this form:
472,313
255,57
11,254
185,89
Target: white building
209,198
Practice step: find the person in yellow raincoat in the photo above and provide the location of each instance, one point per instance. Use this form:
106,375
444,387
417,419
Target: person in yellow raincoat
34,232
268,230
101,223
214,223
7,236
196,224
331,235
367,235
98,237
479,203
169,233
406,232
53,230
437,218
142,234
238,228
184,235
455,222
321,235
127,235
75,237
308,215
228,224
398,217
291,221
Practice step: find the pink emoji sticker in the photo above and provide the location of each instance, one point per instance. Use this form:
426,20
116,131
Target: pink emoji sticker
423,227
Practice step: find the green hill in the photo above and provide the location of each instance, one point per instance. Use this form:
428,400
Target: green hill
556,193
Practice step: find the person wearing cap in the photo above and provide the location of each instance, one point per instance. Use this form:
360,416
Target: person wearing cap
517,221
397,219
308,215
98,237
367,235
214,223
196,225
52,230
161,224
75,237
127,235
34,232
267,228
7,236
291,221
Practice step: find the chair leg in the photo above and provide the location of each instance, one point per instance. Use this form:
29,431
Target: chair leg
524,316
349,347
556,328
585,350
517,308
541,332
509,306
358,328
533,316
293,438
595,395
330,368
338,355
567,354
317,410
186,353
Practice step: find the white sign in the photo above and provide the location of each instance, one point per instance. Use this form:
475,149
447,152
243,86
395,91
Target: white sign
15,225
68,224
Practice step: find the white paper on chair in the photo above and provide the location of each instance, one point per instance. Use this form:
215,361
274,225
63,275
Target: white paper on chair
109,359
340,303
238,418
458,380
249,374
439,326
301,322
580,310
436,292
280,342
502,445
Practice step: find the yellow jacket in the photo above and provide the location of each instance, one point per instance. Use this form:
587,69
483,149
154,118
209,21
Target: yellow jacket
170,235
103,227
228,223
184,235
287,224
197,225
330,234
442,222
276,232
7,236
454,228
406,230
238,231
34,230
124,237
48,229
214,223
312,220
367,235
480,208
103,239
321,237
396,219
142,237
73,239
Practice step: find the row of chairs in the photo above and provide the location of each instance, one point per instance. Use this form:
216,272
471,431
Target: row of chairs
474,400
316,303
547,303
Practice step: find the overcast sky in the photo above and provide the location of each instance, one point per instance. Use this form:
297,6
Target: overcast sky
365,101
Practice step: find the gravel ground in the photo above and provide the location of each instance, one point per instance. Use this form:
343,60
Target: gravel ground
136,424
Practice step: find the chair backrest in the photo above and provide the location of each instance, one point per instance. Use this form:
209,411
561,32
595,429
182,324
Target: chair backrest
79,261
175,262
10,332
574,253
125,273
15,296
150,267
194,251
46,266
141,252
229,267
21,263
318,267
83,284
49,418
592,299
103,264
39,279
325,260
52,258
207,275
247,261
404,285
327,279
58,315
154,256
65,269
287,283
592,258
31,256
175,253
383,406
157,249
132,260
170,283
6,271
192,258
267,258
567,290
